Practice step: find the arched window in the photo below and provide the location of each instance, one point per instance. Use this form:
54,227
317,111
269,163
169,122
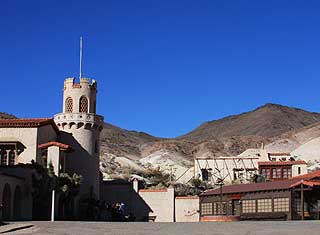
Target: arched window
69,105
83,104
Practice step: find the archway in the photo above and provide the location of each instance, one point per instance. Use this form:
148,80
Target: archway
6,202
17,203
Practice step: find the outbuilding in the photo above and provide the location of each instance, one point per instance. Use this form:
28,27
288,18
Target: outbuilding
297,198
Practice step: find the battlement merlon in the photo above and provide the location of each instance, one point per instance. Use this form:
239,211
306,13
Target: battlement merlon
84,83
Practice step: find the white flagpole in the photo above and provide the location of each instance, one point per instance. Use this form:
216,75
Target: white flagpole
80,57
52,205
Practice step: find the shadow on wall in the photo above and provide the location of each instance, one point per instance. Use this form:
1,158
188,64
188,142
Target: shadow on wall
123,192
81,163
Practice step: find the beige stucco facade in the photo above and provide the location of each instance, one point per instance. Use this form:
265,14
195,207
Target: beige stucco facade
187,209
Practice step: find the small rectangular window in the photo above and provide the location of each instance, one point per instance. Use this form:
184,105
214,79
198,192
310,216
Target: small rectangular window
264,205
219,208
249,206
281,205
276,173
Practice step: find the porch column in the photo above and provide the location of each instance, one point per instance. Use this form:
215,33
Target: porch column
15,156
8,154
302,201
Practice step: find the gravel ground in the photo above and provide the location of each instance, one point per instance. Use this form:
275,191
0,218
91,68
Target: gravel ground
236,228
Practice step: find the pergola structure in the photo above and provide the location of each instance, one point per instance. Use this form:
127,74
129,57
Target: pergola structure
226,169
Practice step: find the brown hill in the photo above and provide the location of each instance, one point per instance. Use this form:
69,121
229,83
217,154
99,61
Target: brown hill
6,116
124,143
267,121
228,136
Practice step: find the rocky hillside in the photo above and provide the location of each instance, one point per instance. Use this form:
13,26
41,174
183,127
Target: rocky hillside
268,121
228,136
6,116
124,143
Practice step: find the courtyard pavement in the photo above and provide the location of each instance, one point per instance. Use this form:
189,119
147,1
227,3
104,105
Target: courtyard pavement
233,228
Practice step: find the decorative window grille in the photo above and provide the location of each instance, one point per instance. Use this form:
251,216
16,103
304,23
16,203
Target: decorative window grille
281,204
249,206
265,205
206,208
83,105
69,105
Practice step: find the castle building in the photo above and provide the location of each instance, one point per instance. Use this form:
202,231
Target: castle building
80,127
70,142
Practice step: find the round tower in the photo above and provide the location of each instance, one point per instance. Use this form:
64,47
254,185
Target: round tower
80,127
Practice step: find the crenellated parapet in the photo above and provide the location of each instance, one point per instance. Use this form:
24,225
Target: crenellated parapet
85,83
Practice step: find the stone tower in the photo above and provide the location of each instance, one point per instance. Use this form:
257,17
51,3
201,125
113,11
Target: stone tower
80,127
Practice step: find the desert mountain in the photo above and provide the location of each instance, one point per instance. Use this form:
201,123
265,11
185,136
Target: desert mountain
6,116
228,136
268,121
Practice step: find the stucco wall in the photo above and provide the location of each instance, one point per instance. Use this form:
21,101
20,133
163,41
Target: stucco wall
187,209
161,202
54,158
303,170
27,136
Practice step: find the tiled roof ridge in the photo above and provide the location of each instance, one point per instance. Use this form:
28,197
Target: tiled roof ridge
279,154
265,186
54,143
282,162
308,176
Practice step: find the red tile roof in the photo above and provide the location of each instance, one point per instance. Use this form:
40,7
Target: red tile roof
245,188
27,123
307,183
282,163
54,143
308,176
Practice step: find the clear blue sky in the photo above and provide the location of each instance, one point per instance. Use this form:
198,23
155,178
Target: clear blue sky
162,66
